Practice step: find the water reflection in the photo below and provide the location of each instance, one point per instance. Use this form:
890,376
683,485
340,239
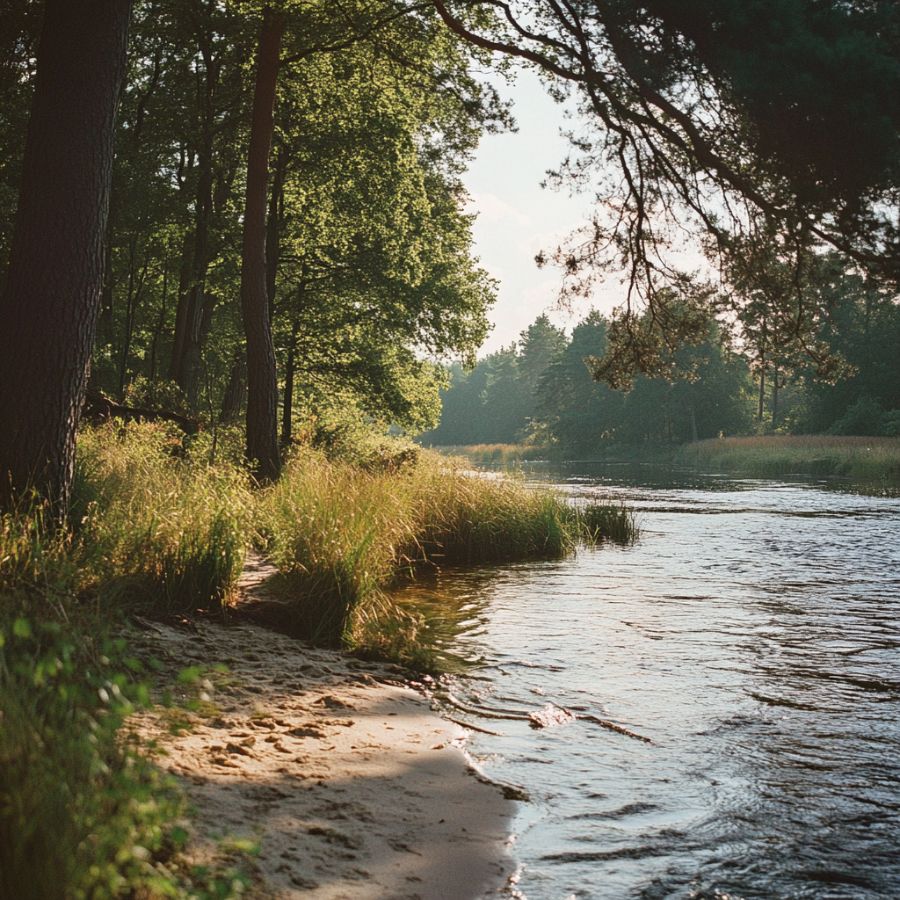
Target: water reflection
753,635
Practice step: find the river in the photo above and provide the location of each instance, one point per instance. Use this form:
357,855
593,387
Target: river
752,635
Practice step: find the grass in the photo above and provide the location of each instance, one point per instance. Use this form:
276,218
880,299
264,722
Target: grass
82,812
608,522
859,458
342,536
159,529
499,454
168,530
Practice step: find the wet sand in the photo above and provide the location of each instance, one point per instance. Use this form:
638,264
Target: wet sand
350,785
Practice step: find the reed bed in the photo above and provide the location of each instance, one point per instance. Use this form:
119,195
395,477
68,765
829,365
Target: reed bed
342,536
861,458
499,454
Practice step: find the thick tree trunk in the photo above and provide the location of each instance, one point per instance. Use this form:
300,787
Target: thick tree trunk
262,385
51,300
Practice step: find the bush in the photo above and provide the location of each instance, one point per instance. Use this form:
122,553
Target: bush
81,813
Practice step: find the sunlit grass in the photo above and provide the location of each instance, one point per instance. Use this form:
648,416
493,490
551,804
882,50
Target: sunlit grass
170,528
342,536
862,458
498,454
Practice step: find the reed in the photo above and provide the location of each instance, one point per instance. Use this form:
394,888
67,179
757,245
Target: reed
342,535
608,521
860,458
499,454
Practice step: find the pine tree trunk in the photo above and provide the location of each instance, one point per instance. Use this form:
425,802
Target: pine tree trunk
187,364
51,300
273,229
262,384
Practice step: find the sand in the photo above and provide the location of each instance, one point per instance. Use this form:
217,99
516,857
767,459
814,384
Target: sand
349,783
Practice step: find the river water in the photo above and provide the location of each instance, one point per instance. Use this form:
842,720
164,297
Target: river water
753,635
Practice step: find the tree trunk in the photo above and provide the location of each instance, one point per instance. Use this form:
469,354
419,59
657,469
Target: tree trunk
189,343
287,411
51,301
774,394
160,322
181,310
262,385
235,393
761,405
273,228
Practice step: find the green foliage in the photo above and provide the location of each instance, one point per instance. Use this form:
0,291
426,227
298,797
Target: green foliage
371,262
82,814
552,399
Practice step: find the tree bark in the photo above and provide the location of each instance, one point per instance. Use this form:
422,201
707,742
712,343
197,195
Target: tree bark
273,228
290,373
262,384
235,392
187,364
51,300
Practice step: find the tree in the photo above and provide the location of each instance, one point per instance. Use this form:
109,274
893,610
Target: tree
51,299
579,414
691,137
262,386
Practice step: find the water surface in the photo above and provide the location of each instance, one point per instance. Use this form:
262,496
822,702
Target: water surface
752,634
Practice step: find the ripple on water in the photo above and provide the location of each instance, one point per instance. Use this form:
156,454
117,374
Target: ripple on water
753,635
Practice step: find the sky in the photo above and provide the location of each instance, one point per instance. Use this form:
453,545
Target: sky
517,218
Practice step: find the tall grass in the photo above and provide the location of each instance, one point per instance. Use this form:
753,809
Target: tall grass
861,458
170,530
499,454
82,813
342,535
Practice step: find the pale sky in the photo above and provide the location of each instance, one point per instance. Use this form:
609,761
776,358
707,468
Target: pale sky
517,218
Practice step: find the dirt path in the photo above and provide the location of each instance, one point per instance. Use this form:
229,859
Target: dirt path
350,784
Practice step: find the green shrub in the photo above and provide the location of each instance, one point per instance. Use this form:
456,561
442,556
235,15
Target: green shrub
81,813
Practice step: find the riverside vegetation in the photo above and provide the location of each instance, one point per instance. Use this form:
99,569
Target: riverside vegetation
159,528
860,458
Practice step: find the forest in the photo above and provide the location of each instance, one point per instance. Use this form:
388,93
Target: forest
540,390
240,291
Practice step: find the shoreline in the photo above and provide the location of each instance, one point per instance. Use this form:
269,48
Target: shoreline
350,785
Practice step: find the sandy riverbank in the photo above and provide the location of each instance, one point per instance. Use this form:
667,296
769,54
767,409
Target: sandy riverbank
352,787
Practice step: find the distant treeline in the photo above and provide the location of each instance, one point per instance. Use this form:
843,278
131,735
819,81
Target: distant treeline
540,389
